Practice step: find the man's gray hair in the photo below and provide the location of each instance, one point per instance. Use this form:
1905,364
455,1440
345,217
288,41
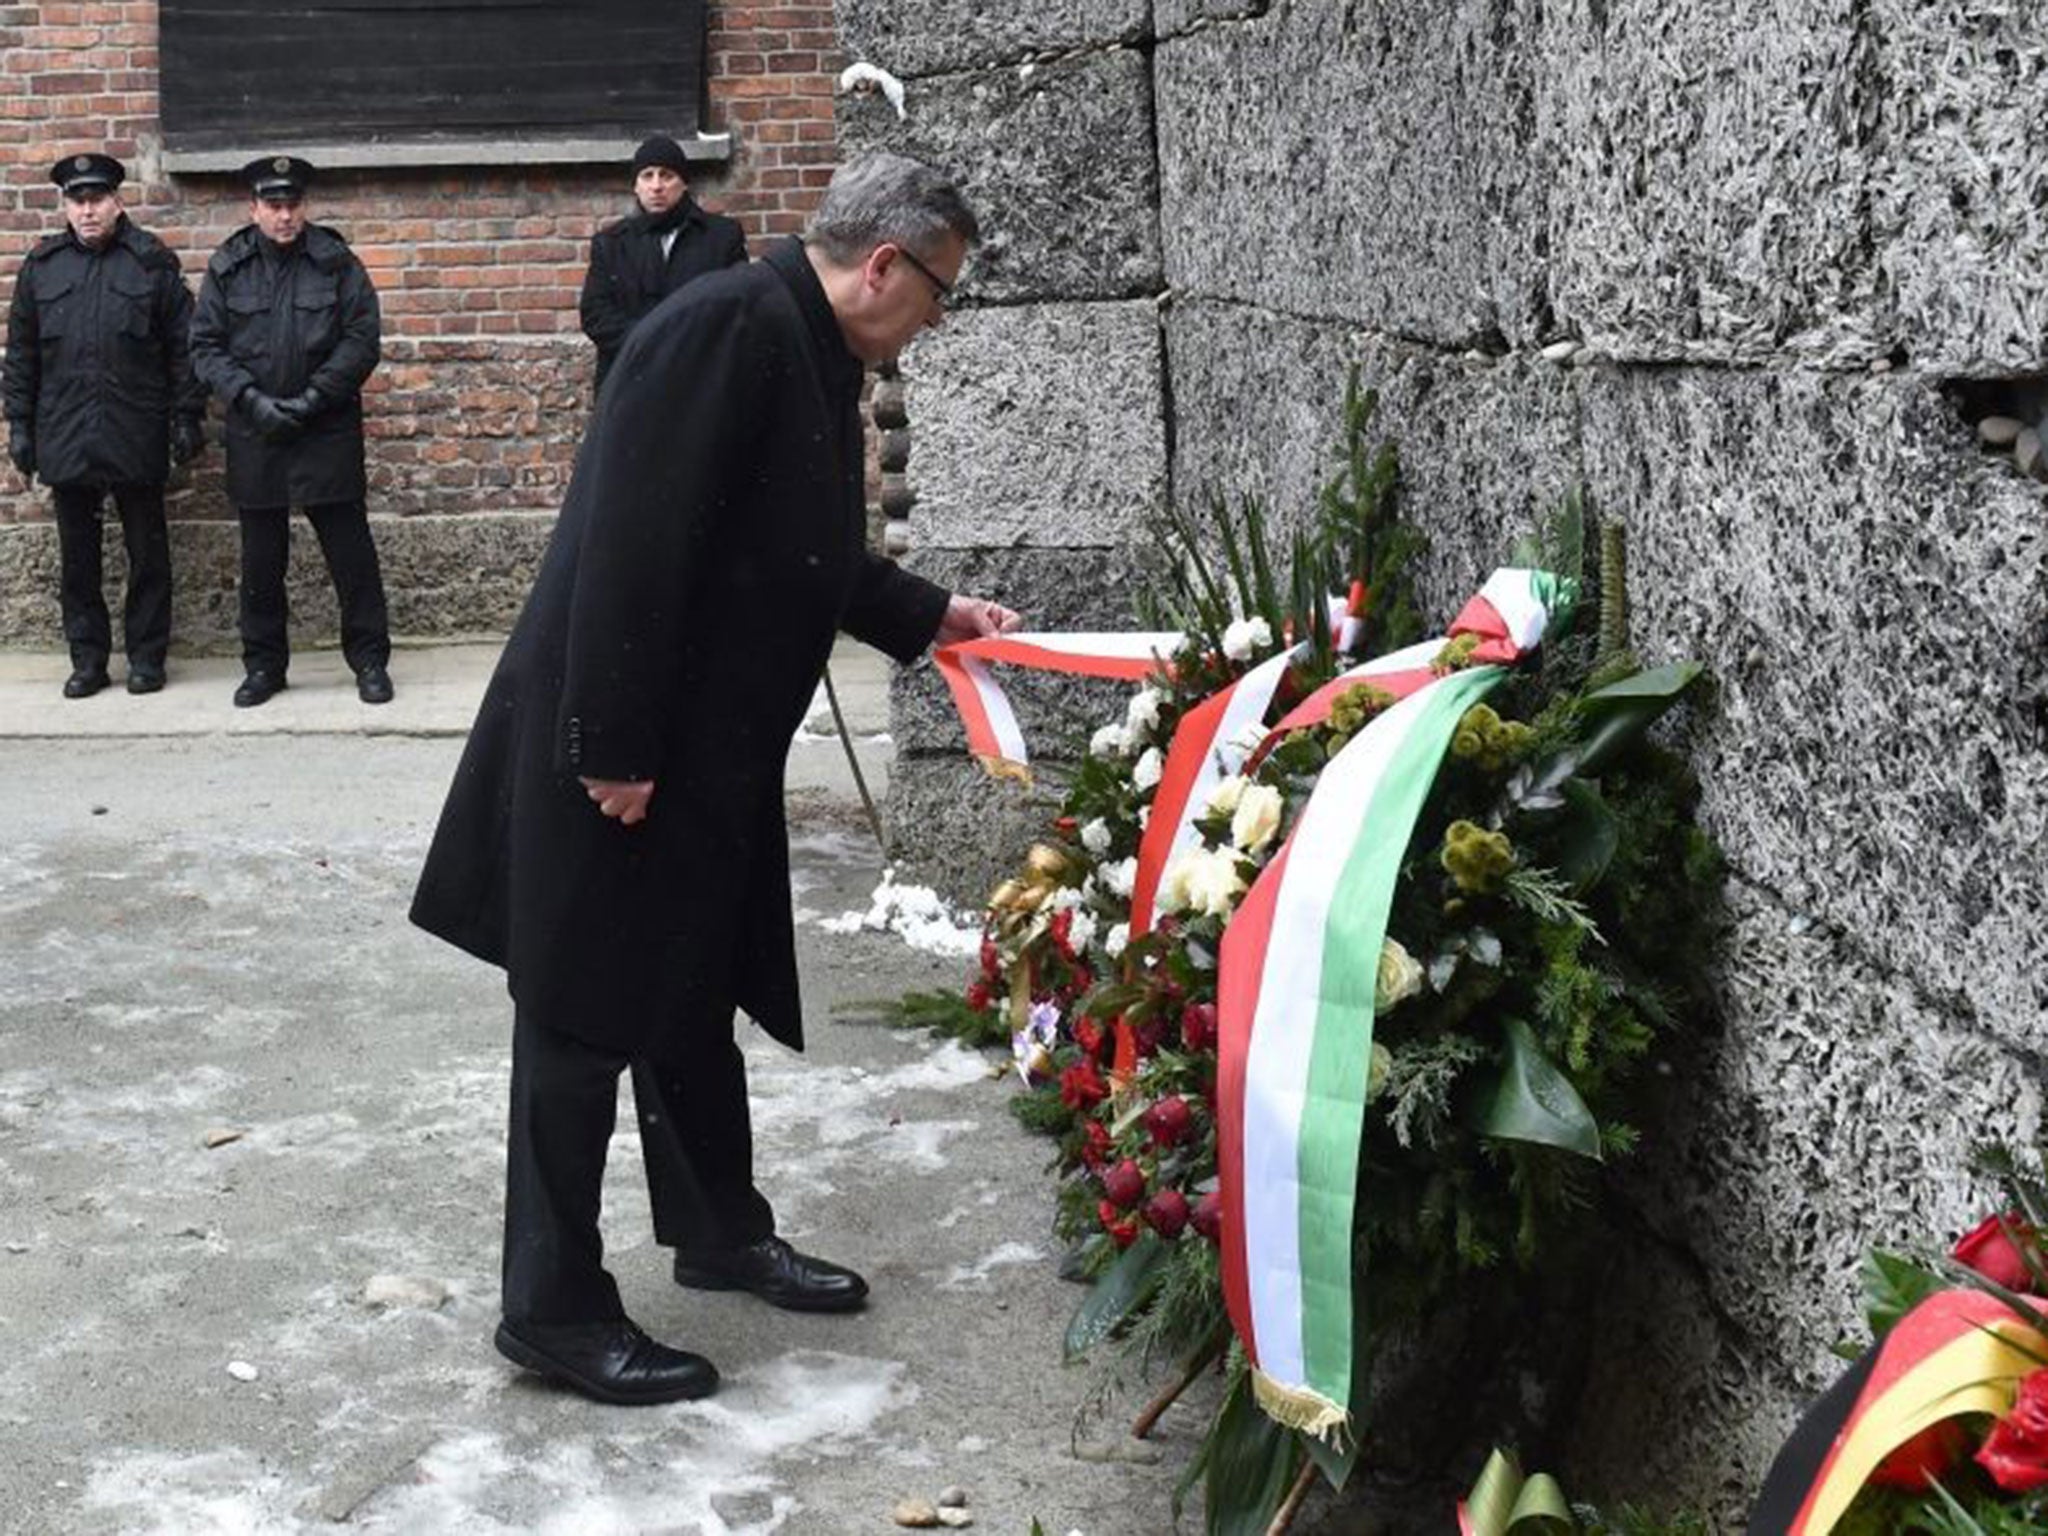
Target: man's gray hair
885,199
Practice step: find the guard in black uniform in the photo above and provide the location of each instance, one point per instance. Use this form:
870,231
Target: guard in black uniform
100,399
285,334
648,255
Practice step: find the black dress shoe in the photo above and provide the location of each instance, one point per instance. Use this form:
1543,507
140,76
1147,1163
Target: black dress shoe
373,685
84,682
258,688
145,679
611,1362
776,1273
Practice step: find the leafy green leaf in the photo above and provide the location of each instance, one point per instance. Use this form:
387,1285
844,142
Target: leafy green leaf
1893,1286
1252,1461
1617,715
1589,835
1535,1102
1124,1285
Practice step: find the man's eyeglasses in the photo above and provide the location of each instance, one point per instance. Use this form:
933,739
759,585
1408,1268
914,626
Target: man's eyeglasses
941,289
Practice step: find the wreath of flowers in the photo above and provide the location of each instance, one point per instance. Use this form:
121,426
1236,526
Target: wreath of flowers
1550,925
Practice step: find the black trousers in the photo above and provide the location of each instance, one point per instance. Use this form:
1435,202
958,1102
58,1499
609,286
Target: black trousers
344,533
146,615
696,1138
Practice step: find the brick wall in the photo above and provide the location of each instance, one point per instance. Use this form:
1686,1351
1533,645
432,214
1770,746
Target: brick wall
479,402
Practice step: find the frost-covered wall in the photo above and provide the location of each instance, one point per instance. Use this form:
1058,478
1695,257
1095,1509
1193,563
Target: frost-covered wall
1726,265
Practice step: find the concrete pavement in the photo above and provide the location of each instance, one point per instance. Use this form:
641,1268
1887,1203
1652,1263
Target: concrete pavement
251,1156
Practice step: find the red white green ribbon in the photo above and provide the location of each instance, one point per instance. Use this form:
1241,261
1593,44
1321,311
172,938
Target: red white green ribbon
993,734
1207,747
1295,1015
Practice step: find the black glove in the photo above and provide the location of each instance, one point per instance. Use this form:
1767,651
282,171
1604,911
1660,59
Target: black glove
21,447
270,418
188,439
304,406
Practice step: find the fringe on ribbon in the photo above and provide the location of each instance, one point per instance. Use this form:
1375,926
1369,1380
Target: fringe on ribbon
1003,768
1303,1409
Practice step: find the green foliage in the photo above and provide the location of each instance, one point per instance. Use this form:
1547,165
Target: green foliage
1894,1286
1129,1283
943,1013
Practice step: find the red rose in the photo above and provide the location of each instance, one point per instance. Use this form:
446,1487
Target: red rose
1095,1144
1124,1184
1167,1212
1088,1036
991,962
1198,1027
2015,1453
1081,1086
1146,1036
1169,1121
977,995
1928,1455
1064,824
1208,1216
1123,1229
1988,1248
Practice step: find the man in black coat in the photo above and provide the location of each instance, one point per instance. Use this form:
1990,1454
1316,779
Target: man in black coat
645,257
100,399
614,837
286,331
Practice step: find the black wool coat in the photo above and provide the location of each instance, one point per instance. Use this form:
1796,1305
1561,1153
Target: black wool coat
310,318
711,543
628,275
97,359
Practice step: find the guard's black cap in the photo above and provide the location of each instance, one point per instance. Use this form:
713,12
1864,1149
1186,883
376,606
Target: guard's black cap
278,176
660,149
88,173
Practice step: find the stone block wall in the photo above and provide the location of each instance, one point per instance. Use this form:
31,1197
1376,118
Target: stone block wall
1733,273
480,400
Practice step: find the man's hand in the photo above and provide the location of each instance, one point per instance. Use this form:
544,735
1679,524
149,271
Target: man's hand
969,618
304,406
188,439
21,447
270,418
625,800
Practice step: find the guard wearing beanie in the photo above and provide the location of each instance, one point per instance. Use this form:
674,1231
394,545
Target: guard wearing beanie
645,257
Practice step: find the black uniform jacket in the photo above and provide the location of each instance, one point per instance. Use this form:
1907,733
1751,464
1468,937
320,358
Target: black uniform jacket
628,275
283,319
711,542
97,359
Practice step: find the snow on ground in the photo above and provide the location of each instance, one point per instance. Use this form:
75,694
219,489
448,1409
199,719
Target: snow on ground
915,912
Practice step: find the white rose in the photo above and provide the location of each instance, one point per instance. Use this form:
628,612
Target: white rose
1400,975
1246,637
1115,941
1214,882
1066,896
1256,818
1120,877
1145,775
1109,741
1095,837
1081,931
1173,885
1223,799
1141,715
1144,817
